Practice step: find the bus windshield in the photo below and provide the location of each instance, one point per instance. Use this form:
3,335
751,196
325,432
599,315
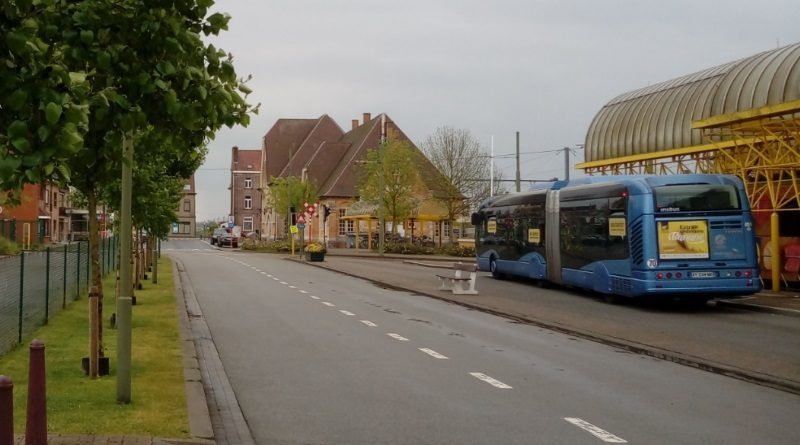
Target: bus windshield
696,197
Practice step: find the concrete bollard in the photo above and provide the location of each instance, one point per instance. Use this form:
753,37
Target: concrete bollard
36,422
6,410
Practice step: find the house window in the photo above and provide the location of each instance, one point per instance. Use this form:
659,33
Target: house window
248,183
184,228
187,205
345,225
248,202
446,226
247,224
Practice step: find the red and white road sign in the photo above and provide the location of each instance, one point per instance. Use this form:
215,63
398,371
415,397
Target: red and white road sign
301,219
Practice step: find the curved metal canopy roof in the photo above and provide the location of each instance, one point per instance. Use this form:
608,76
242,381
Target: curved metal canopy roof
659,117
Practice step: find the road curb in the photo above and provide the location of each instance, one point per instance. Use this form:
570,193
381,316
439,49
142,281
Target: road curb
734,304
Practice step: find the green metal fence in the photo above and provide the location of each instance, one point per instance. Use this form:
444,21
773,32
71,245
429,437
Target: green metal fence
35,285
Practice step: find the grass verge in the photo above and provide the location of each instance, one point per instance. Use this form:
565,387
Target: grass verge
79,405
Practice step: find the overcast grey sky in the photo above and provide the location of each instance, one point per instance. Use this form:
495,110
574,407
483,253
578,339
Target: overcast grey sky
543,68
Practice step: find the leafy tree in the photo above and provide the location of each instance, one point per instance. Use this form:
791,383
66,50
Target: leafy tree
464,169
143,69
43,105
290,192
395,165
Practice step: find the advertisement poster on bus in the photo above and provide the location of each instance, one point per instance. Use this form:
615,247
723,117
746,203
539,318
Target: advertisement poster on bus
682,240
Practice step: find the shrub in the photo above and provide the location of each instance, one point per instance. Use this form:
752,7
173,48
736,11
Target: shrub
279,246
8,247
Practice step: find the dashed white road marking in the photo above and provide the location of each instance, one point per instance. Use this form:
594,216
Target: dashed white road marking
276,279
269,275
328,304
303,291
292,287
283,282
397,336
263,273
433,353
346,312
369,323
600,433
315,297
489,380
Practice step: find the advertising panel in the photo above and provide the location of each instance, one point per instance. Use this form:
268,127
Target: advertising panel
682,240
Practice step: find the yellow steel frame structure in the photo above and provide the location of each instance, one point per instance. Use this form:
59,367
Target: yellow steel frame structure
761,146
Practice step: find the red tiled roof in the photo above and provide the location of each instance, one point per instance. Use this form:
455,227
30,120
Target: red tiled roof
249,160
329,155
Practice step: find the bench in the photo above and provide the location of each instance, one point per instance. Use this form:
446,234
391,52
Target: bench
462,282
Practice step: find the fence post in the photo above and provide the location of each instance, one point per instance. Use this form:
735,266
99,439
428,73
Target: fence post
78,274
47,288
14,230
6,410
21,291
36,422
64,303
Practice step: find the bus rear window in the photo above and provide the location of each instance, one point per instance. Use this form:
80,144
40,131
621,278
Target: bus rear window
696,198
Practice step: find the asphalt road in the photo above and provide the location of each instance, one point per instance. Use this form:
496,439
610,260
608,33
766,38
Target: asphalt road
315,356
753,344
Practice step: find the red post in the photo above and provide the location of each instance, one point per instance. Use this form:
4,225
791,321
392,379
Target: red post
36,425
6,410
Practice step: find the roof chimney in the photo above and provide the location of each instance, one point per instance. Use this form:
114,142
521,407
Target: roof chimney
355,123
235,154
367,117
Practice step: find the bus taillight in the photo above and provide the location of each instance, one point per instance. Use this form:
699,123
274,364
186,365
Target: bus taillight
660,275
748,274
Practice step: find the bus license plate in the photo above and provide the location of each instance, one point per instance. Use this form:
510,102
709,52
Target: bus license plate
704,275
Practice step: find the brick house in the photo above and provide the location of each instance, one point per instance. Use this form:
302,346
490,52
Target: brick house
39,219
320,151
246,201
187,212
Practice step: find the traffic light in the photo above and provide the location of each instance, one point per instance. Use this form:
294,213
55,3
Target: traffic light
327,211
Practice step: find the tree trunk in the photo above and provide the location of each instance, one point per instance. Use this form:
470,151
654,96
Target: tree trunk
96,278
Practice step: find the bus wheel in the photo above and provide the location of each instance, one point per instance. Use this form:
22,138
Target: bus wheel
493,269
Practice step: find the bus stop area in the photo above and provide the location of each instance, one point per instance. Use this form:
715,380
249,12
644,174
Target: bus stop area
754,338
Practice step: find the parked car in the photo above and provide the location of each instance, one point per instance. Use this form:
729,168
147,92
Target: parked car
229,239
217,235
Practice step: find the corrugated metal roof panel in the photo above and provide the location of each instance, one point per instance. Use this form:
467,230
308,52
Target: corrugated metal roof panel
659,117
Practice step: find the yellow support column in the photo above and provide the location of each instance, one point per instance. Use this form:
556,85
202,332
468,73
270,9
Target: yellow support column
358,233
775,246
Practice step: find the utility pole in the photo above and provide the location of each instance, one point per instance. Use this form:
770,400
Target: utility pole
124,302
518,187
381,216
566,163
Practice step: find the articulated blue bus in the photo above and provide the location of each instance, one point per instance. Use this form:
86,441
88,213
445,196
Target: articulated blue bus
689,236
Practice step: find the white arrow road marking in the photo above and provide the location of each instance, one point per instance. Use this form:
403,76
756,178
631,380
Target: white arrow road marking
369,323
602,434
397,336
346,312
489,380
433,353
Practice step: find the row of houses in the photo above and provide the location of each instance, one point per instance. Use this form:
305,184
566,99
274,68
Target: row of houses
45,215
320,151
